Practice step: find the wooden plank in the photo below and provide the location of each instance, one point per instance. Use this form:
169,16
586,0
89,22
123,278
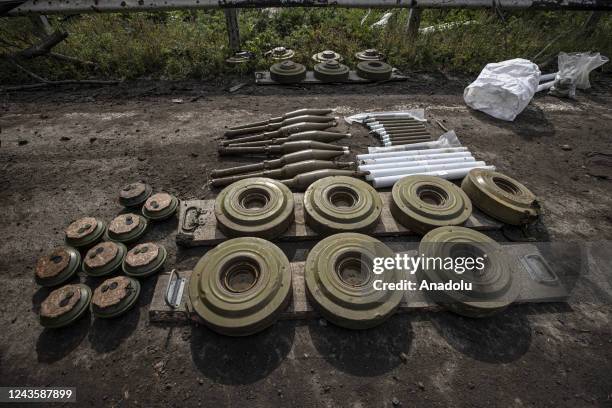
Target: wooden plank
198,225
263,78
299,308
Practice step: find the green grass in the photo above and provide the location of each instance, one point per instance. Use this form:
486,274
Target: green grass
181,44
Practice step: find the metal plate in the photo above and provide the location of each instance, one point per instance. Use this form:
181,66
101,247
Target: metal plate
134,194
84,232
287,72
263,78
114,297
160,206
126,228
501,197
493,287
422,203
374,70
339,281
64,306
258,206
144,260
241,286
341,204
104,258
57,267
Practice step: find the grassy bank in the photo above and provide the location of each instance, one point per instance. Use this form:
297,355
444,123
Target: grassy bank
180,45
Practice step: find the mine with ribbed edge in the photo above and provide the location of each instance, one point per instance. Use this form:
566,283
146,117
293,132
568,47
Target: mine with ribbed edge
126,228
327,55
160,206
287,72
374,70
340,281
331,71
57,267
494,285
258,206
370,54
144,260
114,297
422,203
501,197
104,258
241,286
64,306
134,194
341,204
84,232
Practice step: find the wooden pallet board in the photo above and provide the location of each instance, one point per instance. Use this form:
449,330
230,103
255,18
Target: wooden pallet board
299,308
198,226
263,78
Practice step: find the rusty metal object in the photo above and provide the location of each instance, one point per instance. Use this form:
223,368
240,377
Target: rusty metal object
341,204
288,147
422,203
331,71
126,228
283,131
327,55
241,286
114,297
339,279
259,207
134,194
160,206
144,260
374,70
309,154
280,53
287,171
287,72
501,197
494,286
275,126
104,258
370,54
84,232
57,267
288,115
64,306
302,181
314,135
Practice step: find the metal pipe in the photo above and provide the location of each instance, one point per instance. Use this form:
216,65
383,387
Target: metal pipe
395,120
277,125
413,152
403,137
396,125
398,171
96,6
405,142
417,146
445,174
394,161
419,159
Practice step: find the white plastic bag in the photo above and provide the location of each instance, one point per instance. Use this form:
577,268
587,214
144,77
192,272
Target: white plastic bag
503,89
578,66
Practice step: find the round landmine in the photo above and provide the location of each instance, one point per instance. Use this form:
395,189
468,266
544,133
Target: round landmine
160,206
104,258
114,297
370,54
501,197
144,260
280,53
374,70
134,194
64,306
331,71
491,274
339,276
258,206
240,57
287,72
84,232
241,286
327,55
126,228
422,203
341,204
57,267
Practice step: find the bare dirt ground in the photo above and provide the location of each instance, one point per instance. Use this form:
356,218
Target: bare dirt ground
66,152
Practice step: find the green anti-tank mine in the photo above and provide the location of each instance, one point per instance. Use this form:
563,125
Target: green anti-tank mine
492,273
114,297
104,258
144,260
126,228
57,267
374,70
160,206
501,197
341,204
259,207
64,306
327,55
422,203
331,71
85,232
287,72
241,286
339,279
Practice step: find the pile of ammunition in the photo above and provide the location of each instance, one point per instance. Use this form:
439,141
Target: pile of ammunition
300,136
397,129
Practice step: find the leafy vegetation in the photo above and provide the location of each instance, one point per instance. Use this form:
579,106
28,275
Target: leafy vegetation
193,44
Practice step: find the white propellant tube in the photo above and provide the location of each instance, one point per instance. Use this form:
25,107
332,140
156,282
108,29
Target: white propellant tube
415,146
445,174
394,160
406,171
397,165
414,152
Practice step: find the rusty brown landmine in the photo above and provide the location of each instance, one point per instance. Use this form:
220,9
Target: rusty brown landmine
60,301
142,254
81,227
132,190
51,265
158,202
101,254
111,292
